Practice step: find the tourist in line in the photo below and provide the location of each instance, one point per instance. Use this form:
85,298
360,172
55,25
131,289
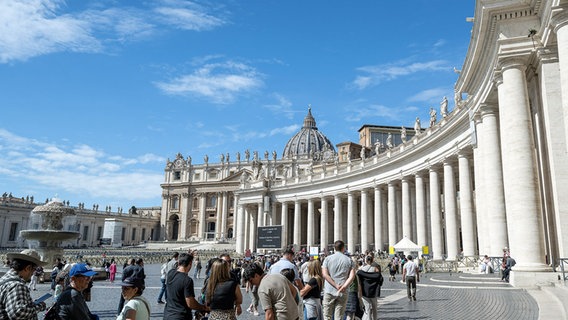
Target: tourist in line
338,272
15,300
311,293
136,307
198,267
289,274
112,270
286,263
180,294
163,274
275,293
410,275
370,282
353,307
72,304
253,307
223,294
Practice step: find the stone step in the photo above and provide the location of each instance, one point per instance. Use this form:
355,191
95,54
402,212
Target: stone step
552,301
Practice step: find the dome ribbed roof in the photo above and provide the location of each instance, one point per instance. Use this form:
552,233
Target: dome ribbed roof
308,143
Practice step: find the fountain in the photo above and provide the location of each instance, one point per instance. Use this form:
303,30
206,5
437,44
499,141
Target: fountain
46,230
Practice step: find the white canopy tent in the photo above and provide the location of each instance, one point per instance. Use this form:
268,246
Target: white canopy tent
406,245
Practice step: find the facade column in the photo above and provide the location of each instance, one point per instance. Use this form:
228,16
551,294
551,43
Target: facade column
494,198
218,215
253,219
311,224
436,216
224,215
466,206
202,216
393,237
260,215
298,222
524,214
324,225
364,221
351,223
285,223
240,228
379,221
421,225
337,218
451,213
406,213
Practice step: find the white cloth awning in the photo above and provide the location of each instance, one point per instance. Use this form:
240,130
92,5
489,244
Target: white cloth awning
407,245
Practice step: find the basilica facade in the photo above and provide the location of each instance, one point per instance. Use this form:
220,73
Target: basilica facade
488,174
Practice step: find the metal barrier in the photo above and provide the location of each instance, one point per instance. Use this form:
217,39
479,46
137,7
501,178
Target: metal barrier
563,261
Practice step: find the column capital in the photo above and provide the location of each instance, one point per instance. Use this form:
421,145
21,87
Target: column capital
512,62
488,109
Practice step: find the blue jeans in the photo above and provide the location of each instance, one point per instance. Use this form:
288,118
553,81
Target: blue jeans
163,291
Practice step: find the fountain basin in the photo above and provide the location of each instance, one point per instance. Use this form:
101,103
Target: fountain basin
49,235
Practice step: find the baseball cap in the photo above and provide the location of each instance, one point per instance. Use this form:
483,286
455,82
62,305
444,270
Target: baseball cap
81,269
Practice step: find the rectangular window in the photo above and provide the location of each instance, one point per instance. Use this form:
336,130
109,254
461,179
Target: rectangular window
13,231
143,234
123,235
133,234
99,233
213,175
85,232
197,177
177,175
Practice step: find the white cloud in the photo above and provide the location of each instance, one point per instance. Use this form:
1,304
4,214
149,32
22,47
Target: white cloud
219,83
365,114
429,95
33,28
373,75
288,130
81,170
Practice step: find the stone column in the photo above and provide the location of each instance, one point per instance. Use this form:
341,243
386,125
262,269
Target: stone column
393,237
285,223
351,223
202,216
379,221
493,196
560,23
437,250
520,179
218,215
406,213
311,223
252,229
469,237
260,214
298,222
324,224
451,213
240,228
481,212
364,221
224,214
337,218
421,225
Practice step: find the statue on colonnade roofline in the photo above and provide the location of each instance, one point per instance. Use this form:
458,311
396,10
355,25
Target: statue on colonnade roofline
389,141
238,157
206,159
444,107
274,155
403,134
227,158
417,127
189,161
433,117
266,155
247,155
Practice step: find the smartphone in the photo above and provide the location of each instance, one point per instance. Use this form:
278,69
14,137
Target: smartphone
43,298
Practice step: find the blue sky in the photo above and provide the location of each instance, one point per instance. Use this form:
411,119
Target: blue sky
96,95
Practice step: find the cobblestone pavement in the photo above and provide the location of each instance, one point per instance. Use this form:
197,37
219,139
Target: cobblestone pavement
440,296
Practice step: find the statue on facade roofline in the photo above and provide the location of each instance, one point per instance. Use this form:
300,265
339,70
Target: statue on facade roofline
433,117
417,127
222,158
274,155
206,159
238,157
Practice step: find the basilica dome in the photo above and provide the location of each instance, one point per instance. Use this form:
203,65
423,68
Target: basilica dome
309,143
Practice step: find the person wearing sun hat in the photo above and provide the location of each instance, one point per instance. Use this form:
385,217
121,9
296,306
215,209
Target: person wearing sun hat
72,305
136,307
15,299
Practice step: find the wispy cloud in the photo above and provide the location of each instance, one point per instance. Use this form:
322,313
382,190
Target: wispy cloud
219,83
429,95
81,169
373,75
282,106
33,28
370,112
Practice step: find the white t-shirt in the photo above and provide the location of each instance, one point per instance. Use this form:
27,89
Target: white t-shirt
140,304
410,268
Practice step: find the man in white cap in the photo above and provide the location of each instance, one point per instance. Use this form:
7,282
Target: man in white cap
15,299
72,305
